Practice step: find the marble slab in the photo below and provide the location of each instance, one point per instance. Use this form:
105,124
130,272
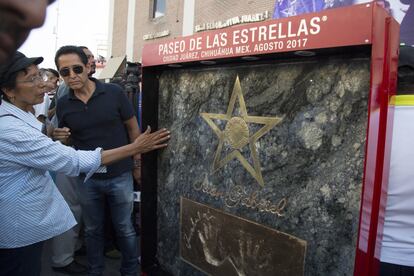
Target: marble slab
299,171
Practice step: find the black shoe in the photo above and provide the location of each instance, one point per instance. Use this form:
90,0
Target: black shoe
72,268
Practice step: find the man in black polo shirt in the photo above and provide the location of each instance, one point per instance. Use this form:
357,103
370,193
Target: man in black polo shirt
96,114
63,247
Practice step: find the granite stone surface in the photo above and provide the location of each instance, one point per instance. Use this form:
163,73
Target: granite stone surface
311,162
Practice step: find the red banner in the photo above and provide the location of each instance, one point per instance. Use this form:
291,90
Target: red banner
330,28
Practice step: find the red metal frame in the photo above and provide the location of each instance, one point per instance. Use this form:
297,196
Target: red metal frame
366,24
384,63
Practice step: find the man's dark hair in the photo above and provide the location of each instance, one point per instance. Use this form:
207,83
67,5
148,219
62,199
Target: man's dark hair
71,49
53,71
83,47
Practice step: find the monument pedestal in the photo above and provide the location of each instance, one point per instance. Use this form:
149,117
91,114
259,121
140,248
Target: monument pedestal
277,164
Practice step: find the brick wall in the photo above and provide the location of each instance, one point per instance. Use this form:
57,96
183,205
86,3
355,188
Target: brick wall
213,10
145,24
206,11
119,29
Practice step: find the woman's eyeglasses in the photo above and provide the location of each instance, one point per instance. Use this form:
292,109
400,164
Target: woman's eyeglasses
77,69
39,78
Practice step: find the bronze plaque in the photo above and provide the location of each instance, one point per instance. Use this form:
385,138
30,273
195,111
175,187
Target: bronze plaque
218,243
237,135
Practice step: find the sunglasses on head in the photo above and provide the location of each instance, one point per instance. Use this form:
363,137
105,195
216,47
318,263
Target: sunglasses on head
77,69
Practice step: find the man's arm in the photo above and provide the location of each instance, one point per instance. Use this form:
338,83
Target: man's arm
133,133
132,128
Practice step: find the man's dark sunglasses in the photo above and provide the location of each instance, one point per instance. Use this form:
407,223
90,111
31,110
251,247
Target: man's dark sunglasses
77,69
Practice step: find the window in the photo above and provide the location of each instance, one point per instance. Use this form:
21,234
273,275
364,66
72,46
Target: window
158,9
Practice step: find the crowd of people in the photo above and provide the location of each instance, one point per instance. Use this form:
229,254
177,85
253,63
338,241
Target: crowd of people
70,145
84,133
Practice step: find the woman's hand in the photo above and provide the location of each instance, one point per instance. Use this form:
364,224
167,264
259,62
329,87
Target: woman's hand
61,134
145,142
148,141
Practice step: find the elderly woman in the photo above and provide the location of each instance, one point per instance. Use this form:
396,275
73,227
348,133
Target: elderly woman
31,208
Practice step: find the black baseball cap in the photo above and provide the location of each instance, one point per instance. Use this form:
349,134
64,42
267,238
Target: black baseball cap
406,58
17,63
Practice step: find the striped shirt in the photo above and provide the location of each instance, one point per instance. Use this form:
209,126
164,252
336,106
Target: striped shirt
31,207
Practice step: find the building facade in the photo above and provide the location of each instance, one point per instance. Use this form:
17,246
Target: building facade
134,23
137,22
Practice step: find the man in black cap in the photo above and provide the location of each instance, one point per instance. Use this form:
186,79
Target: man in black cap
17,19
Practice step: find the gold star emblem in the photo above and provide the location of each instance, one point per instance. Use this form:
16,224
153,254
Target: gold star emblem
237,135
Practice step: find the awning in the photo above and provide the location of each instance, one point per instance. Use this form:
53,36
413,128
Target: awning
112,67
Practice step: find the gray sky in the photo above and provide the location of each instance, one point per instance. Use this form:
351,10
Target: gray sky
78,22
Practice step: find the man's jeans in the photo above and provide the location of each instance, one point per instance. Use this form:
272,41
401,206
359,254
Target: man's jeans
119,195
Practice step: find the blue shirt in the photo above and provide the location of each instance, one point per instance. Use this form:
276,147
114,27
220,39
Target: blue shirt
31,207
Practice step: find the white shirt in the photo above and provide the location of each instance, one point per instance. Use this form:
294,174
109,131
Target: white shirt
398,236
42,108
